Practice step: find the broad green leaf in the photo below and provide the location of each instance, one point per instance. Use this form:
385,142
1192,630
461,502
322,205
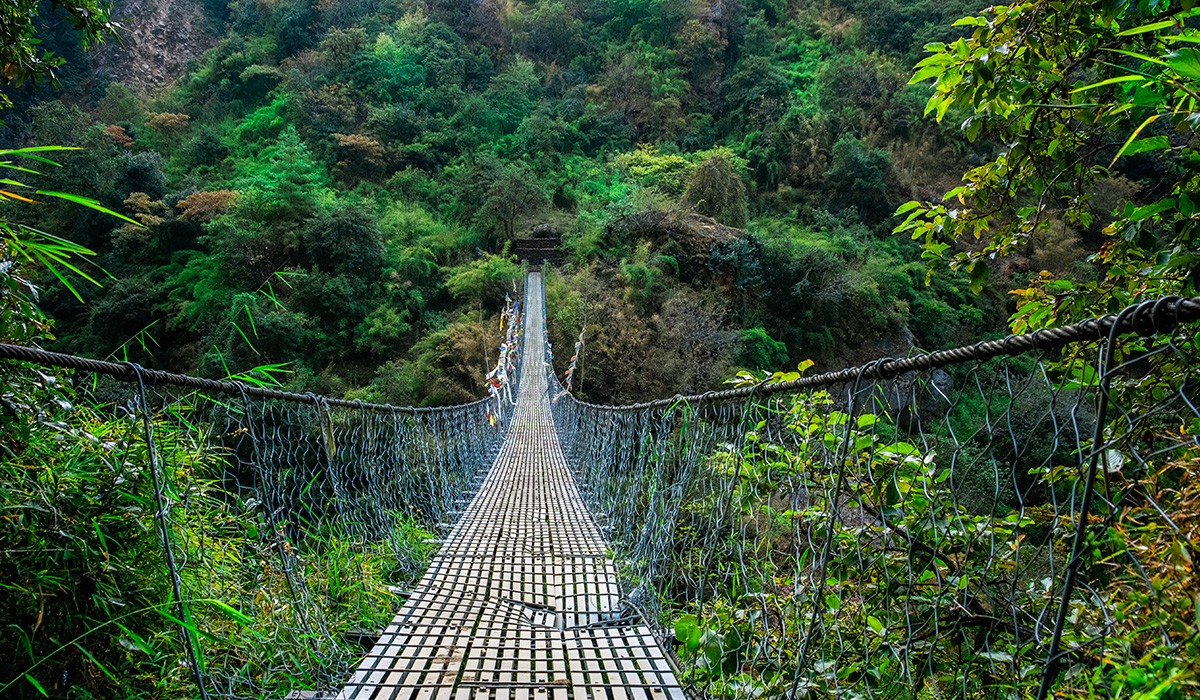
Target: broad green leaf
978,274
1142,213
939,57
926,73
1153,143
1185,62
689,632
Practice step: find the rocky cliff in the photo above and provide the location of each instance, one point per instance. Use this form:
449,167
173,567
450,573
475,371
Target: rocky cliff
158,38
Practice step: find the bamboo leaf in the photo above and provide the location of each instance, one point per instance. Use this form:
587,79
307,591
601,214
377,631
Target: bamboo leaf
229,610
19,168
87,202
1141,56
10,195
1110,81
251,317
96,661
1149,120
37,685
24,152
1145,28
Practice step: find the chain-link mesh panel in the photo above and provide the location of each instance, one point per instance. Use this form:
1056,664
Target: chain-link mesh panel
293,526
916,536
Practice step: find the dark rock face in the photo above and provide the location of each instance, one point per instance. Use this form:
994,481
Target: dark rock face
543,231
159,37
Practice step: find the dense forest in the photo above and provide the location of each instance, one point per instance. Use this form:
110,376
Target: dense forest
332,189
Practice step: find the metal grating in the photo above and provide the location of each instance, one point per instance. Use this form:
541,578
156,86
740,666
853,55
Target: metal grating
522,601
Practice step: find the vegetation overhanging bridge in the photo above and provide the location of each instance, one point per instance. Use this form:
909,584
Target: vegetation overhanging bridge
1014,518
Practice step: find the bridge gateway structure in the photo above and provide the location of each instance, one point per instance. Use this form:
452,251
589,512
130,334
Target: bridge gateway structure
1005,519
522,600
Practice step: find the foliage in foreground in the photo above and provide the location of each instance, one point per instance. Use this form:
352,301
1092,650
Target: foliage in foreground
91,610
1085,97
902,567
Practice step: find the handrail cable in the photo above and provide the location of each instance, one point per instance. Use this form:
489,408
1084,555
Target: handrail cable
126,373
1156,316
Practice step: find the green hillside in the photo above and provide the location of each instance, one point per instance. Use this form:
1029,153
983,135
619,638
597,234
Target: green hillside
326,188
332,188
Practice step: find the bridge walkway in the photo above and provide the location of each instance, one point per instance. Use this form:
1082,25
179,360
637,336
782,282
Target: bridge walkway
521,602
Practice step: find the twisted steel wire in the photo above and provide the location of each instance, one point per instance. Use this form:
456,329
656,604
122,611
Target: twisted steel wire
1153,317
129,373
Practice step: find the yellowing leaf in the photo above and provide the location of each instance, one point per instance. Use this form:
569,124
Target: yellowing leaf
1149,120
5,193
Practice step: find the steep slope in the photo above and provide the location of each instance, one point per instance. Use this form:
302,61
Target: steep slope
159,38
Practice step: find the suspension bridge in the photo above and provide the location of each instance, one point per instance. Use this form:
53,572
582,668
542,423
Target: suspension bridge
522,600
1014,518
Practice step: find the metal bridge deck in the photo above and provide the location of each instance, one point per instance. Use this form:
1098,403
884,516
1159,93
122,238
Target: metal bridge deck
519,602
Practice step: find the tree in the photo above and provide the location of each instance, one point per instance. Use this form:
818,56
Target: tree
757,91
20,57
551,33
715,190
167,122
140,172
119,104
760,351
203,206
485,280
364,157
512,95
345,241
515,192
20,243
1077,92
290,182
856,173
648,166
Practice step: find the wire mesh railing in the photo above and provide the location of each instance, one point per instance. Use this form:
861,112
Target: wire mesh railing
285,527
1014,519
